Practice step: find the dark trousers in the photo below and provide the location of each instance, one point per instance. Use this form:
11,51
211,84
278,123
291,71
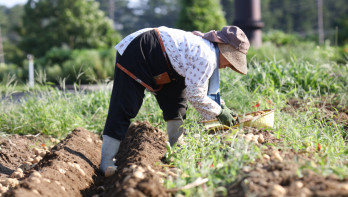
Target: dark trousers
144,58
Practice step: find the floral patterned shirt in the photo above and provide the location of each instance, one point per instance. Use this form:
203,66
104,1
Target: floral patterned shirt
193,58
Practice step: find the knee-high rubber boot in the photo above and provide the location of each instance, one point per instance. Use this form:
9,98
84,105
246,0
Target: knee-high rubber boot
174,131
109,150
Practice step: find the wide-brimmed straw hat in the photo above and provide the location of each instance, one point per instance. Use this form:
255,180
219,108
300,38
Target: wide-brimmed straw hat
233,45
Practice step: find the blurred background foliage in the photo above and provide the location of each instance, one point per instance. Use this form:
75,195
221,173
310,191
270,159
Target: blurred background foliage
74,39
203,15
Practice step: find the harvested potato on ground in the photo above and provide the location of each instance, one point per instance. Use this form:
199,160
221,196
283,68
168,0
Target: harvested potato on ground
35,174
34,179
298,184
36,151
17,175
77,166
261,139
42,153
3,189
37,159
277,190
266,157
276,156
35,191
10,182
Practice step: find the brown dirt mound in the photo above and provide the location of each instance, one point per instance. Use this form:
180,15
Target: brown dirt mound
16,149
64,171
281,179
278,173
138,161
71,167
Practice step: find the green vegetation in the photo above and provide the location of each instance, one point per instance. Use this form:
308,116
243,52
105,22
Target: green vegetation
68,38
79,65
78,24
202,15
277,73
54,112
63,37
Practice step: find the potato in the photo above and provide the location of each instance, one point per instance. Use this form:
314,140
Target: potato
42,153
88,139
139,174
36,151
266,157
17,175
260,139
62,170
10,182
35,174
276,156
248,138
46,180
37,159
277,190
34,179
35,191
3,189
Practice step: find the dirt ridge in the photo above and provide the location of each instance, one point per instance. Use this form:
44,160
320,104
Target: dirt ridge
138,160
66,170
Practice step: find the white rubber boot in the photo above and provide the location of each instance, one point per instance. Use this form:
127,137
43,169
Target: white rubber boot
109,150
174,131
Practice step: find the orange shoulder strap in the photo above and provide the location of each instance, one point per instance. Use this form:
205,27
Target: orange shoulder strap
164,52
137,79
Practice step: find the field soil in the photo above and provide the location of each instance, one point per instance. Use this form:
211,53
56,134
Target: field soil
70,168
284,172
65,170
15,150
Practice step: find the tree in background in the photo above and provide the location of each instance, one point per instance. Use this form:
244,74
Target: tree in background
301,16
342,30
160,13
290,15
10,23
228,8
133,15
202,15
64,23
336,18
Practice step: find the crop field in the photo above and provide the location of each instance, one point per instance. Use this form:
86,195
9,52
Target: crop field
50,138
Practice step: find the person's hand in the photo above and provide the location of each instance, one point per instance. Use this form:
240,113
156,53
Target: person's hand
226,118
235,116
223,106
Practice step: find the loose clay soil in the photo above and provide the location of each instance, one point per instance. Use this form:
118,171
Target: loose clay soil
65,170
15,150
70,168
277,172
